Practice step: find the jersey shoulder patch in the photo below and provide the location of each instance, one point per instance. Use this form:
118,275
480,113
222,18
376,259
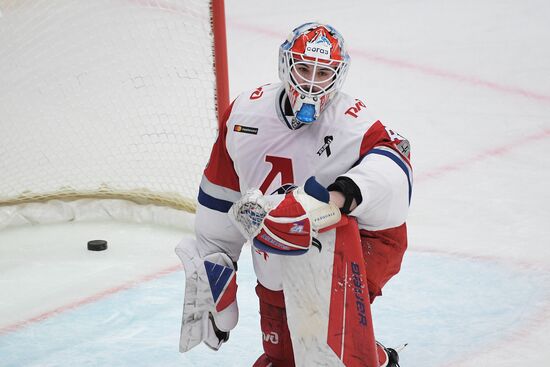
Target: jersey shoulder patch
400,143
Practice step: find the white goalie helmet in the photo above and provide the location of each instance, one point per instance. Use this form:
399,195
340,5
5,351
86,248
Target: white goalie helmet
313,63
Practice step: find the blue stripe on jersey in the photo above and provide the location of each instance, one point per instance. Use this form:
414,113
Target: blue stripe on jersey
213,203
398,161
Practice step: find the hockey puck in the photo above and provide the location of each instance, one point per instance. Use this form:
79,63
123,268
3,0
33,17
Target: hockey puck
97,245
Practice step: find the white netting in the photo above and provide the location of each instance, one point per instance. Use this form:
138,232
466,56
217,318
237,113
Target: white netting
106,99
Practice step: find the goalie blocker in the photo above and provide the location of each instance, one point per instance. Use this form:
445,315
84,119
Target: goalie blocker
330,323
325,324
324,317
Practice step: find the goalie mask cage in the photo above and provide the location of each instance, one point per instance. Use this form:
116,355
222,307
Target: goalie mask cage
107,99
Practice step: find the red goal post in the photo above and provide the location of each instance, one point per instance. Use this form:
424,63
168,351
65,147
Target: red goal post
220,54
108,99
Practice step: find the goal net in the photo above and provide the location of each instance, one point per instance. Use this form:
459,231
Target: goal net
108,99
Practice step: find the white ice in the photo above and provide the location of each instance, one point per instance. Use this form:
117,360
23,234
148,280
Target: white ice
467,82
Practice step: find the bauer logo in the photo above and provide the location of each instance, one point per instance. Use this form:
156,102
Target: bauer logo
245,129
358,287
319,48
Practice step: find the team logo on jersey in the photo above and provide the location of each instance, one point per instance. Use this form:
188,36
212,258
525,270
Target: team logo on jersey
326,146
263,253
354,110
315,242
245,129
271,337
258,93
285,189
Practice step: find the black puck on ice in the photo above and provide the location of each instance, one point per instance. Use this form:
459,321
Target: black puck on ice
97,245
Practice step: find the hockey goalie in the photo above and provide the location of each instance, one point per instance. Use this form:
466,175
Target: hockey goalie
321,190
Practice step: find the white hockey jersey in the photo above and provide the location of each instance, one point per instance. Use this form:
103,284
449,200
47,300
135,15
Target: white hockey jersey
259,147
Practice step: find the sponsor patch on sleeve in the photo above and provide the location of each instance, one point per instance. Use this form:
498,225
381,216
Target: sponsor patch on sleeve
245,129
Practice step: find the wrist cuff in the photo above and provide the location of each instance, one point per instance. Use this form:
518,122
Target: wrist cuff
349,189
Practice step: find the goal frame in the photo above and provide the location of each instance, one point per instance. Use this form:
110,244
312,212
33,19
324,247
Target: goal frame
30,207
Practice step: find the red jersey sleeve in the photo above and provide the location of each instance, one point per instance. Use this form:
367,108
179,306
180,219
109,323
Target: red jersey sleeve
220,170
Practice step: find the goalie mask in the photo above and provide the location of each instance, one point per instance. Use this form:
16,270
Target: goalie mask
313,63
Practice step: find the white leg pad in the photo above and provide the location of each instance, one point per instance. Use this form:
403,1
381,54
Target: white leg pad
210,289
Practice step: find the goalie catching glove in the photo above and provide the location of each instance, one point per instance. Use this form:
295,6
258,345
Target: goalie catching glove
285,224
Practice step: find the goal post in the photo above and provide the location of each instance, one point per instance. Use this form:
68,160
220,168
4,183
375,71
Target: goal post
108,99
220,57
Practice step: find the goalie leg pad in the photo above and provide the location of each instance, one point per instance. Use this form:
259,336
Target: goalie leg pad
210,306
276,336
